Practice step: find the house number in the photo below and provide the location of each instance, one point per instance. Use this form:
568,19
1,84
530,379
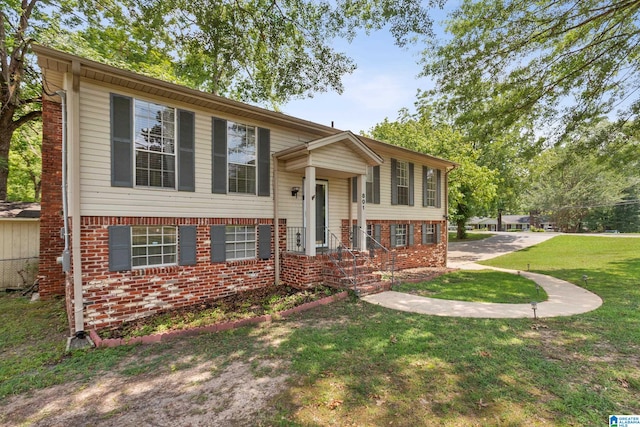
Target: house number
364,200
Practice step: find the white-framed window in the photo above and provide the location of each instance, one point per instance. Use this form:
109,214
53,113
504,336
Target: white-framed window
242,158
153,245
402,176
431,189
240,242
431,233
401,234
369,188
155,145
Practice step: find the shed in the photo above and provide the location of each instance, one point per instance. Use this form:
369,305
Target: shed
19,243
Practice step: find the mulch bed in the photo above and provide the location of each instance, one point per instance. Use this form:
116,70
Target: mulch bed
243,305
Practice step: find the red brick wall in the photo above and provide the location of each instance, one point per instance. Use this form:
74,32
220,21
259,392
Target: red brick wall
301,271
111,298
417,255
50,274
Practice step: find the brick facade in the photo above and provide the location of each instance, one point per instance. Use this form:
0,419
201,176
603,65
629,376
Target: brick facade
302,271
111,298
416,255
50,274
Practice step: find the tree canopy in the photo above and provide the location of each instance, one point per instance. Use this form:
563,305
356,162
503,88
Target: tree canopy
548,65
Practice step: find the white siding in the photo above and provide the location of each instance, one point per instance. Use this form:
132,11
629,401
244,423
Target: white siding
385,210
100,199
339,157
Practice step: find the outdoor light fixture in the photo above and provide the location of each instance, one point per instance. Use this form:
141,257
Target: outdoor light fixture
585,278
294,191
534,306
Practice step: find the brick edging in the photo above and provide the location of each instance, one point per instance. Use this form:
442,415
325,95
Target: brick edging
219,327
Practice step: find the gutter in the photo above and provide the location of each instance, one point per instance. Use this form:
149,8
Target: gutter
276,221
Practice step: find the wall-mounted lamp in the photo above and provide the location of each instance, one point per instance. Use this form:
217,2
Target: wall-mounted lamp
294,191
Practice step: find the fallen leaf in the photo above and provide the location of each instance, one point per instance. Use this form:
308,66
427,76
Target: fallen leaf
481,404
393,339
334,404
623,382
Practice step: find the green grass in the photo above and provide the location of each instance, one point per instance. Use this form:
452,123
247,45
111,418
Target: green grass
479,286
453,237
353,363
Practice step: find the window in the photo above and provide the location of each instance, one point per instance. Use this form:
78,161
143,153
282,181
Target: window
153,245
430,236
240,242
369,184
430,187
155,145
403,182
241,143
401,235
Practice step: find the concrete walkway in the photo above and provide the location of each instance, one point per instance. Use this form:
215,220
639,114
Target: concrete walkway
565,298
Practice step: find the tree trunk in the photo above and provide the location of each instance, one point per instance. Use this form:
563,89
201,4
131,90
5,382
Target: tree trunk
461,232
6,132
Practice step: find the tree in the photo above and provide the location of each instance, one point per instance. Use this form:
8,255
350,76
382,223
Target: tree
555,64
569,185
25,163
472,188
18,92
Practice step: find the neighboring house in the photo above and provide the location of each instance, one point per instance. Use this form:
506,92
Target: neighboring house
515,222
482,223
19,243
176,196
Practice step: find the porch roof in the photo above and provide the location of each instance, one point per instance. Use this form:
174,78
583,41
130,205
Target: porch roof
341,154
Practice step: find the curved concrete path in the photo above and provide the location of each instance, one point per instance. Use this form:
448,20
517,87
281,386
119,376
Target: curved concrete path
565,298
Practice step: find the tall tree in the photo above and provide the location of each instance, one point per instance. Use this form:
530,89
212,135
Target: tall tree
25,163
472,187
569,185
554,63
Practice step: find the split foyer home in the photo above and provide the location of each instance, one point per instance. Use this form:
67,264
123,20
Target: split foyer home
157,196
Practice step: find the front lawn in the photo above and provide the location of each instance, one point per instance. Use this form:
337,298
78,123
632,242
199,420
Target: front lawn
353,363
478,286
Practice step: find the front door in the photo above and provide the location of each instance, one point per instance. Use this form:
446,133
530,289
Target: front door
322,213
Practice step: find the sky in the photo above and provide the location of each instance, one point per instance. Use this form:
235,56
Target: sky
385,81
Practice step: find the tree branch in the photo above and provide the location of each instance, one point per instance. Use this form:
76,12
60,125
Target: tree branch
31,115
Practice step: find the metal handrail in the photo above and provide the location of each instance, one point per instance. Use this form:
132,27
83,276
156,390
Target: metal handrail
372,246
336,252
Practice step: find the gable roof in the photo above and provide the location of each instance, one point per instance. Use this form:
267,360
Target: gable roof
346,137
67,63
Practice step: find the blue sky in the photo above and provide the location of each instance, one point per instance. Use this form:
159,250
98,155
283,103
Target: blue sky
384,82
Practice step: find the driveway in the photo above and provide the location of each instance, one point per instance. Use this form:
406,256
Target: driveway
461,253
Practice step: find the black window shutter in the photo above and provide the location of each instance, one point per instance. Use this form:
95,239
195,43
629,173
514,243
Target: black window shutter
411,184
264,162
424,234
187,242
394,182
219,156
186,151
218,243
438,233
121,141
438,189
425,174
119,247
377,233
376,185
264,241
392,235
411,231
354,189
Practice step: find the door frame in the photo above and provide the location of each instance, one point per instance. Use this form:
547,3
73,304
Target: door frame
325,184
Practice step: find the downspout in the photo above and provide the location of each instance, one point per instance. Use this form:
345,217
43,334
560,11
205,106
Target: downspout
446,212
65,260
276,225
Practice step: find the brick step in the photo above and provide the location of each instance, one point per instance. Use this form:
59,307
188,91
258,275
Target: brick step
332,270
373,288
345,282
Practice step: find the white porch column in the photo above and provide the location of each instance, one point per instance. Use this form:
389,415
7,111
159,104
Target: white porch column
362,217
310,210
